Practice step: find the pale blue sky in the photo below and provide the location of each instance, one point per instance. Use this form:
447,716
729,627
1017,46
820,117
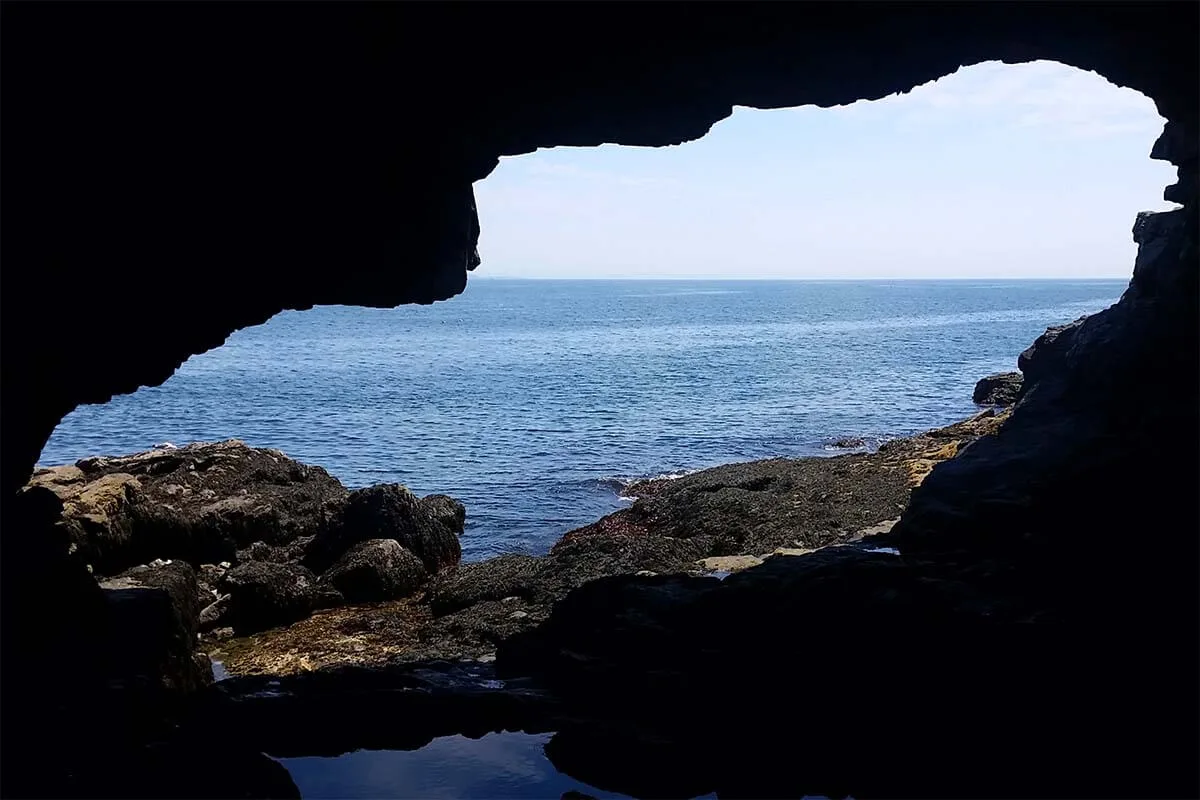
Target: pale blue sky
1026,170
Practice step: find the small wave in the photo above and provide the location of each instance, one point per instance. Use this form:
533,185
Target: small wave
621,483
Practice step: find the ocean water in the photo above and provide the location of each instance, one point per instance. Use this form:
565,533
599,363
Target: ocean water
532,401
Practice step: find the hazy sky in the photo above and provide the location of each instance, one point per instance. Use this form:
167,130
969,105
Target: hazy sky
1027,170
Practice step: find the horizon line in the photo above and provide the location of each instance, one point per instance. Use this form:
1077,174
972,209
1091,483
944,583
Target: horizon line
743,279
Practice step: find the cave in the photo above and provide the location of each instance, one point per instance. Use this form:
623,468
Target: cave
176,172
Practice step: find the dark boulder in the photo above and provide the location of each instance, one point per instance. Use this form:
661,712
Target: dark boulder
199,503
291,552
1047,356
375,570
446,510
214,614
512,575
1001,389
263,595
386,511
154,619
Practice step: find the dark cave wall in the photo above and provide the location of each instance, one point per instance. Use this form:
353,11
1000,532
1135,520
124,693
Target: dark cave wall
174,172
185,170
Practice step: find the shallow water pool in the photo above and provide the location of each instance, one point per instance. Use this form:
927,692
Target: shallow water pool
498,766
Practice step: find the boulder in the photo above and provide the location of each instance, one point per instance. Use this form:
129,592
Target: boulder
95,513
214,614
375,570
200,503
264,595
1001,389
387,511
154,619
446,510
511,575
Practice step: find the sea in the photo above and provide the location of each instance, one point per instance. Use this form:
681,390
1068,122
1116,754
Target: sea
535,401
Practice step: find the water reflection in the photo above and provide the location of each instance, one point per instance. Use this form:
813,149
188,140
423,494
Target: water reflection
496,766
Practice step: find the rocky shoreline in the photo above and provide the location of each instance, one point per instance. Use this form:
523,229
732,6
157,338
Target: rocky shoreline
273,567
736,630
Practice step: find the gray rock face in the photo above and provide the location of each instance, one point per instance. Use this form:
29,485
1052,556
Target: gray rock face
1001,389
375,570
263,595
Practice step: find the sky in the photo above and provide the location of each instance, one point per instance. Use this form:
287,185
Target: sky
1032,170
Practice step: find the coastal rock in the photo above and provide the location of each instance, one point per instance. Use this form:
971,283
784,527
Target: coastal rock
1047,356
388,511
375,570
213,615
95,513
263,595
498,578
446,510
469,609
729,563
292,552
757,507
154,621
1001,389
199,503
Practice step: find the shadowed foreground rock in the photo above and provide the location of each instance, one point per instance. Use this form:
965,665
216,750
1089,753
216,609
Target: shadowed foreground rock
155,616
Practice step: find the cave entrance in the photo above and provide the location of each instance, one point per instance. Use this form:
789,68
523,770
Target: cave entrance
798,282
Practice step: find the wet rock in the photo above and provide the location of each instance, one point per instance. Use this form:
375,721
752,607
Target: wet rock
292,552
507,576
155,619
1001,389
264,595
213,615
375,570
359,707
221,634
327,597
183,767
446,510
387,511
756,507
199,503
729,563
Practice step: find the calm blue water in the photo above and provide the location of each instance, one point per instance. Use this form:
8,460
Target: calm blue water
530,400
498,766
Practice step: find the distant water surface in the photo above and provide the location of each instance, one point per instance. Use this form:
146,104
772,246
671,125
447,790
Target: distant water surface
532,401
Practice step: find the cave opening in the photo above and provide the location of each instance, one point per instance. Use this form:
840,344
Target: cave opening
950,281
1040,581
